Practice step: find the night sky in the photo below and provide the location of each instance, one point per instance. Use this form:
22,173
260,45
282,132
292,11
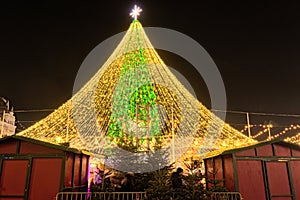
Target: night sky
255,46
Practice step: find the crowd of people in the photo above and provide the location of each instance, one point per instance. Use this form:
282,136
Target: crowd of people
110,181
101,180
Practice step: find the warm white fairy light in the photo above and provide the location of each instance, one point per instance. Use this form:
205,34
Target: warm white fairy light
281,133
135,12
293,139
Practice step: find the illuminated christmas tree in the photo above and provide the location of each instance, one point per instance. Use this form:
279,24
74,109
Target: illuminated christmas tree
134,102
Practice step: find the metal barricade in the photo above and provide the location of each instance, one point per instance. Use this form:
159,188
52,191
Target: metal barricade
132,196
100,196
226,196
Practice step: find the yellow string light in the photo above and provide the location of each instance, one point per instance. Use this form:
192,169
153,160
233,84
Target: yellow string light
294,139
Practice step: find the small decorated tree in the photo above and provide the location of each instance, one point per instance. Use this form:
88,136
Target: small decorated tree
194,189
216,185
159,187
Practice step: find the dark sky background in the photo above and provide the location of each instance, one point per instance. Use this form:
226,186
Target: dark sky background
254,45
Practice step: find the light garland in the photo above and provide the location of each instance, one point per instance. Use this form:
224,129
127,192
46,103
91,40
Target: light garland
294,139
266,127
286,131
99,117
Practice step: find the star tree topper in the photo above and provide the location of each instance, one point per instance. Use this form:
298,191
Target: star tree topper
135,12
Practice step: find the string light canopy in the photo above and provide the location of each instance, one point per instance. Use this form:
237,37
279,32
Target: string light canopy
135,103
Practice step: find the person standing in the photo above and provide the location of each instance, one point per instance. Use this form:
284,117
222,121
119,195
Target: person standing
126,183
176,179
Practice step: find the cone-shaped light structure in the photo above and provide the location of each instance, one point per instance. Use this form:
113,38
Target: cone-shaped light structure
134,102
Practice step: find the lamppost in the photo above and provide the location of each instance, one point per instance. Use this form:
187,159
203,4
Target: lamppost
269,126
